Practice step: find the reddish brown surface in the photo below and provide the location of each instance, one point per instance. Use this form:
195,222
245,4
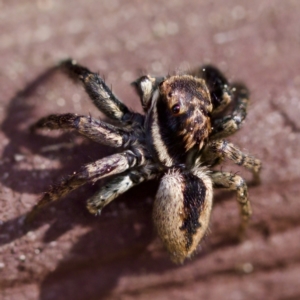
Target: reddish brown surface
69,254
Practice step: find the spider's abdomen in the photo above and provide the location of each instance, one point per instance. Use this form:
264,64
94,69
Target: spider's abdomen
181,211
180,118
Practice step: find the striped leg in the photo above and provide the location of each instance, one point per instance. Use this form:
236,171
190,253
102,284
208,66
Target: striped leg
228,125
115,188
96,130
217,84
234,182
111,165
223,149
100,94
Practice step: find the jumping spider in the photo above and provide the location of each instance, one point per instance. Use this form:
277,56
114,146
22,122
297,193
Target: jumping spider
177,140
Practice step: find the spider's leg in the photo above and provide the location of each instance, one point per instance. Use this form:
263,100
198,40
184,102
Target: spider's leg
100,94
229,124
116,187
110,165
217,84
234,182
181,211
96,130
223,149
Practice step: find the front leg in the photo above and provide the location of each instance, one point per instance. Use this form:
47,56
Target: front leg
97,130
234,182
229,124
111,165
218,86
100,94
221,149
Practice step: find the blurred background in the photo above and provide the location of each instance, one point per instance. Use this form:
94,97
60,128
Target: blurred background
67,253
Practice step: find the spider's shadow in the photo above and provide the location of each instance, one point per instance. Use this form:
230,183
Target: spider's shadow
124,230
116,220
31,180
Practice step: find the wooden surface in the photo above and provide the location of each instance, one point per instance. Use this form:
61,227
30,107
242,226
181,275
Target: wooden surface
68,253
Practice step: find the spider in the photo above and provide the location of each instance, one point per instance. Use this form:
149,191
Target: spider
178,140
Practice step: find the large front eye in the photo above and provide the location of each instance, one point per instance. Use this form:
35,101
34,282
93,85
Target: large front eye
176,109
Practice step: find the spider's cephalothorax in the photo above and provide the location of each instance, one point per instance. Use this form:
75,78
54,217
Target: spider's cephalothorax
179,119
177,140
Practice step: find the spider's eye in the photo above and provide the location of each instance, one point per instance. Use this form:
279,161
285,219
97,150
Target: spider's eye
175,109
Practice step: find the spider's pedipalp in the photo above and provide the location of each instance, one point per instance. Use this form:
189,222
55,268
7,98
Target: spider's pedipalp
97,130
229,124
116,187
92,172
182,210
145,87
235,182
100,94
